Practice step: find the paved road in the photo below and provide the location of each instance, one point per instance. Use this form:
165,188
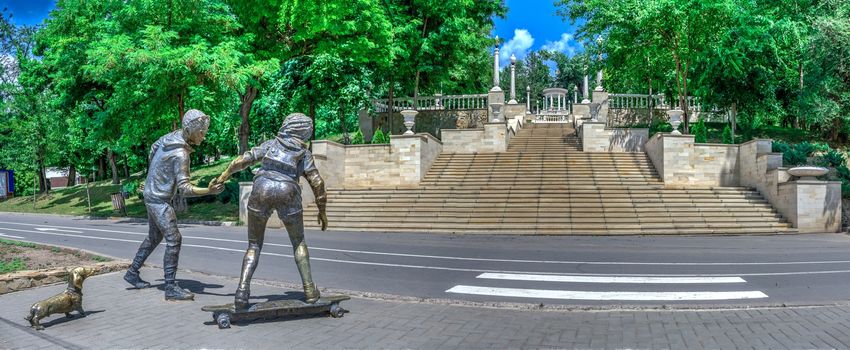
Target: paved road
129,319
560,272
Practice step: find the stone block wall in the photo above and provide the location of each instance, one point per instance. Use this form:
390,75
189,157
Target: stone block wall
365,164
595,137
494,137
462,140
716,164
680,162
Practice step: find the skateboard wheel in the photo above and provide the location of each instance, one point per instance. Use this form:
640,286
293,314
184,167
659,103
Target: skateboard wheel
223,320
336,311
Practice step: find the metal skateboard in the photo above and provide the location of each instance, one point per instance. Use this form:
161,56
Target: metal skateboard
226,314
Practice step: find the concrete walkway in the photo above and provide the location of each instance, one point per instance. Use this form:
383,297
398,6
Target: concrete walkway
121,318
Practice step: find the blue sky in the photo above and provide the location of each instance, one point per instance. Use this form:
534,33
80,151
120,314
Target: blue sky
532,25
529,25
27,11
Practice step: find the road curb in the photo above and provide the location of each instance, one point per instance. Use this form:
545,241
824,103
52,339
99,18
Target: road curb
131,219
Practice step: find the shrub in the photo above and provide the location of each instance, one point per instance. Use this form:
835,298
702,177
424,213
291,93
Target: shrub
380,137
793,155
727,135
132,188
805,149
230,193
659,125
833,159
357,139
700,132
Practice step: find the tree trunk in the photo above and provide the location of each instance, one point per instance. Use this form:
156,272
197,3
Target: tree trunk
313,117
836,126
345,139
390,101
126,167
72,175
247,101
42,178
180,112
101,168
734,119
799,99
113,167
416,88
686,106
88,194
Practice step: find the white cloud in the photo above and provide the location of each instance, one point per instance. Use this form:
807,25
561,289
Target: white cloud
562,45
518,45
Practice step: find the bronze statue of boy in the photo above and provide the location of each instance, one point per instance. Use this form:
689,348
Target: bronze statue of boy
284,160
168,175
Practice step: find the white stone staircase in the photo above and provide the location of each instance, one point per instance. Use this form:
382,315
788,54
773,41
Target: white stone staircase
543,184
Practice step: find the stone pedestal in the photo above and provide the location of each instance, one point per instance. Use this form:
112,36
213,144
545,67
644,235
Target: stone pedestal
601,97
496,95
512,110
811,206
581,110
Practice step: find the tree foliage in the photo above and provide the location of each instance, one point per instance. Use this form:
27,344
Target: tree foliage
778,62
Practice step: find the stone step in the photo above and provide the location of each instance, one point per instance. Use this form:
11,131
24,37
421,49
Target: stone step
605,229
508,224
536,195
576,205
543,191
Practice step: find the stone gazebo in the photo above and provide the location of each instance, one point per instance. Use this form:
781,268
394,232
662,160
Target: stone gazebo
556,106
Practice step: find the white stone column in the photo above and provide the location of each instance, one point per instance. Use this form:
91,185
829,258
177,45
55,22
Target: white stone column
528,99
599,80
585,98
513,80
496,64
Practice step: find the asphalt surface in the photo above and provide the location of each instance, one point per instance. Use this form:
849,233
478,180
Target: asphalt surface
562,271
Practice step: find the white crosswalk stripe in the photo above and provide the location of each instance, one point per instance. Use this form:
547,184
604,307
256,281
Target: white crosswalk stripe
611,279
614,294
585,295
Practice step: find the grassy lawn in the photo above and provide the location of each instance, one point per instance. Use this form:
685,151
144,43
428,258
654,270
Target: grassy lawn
72,200
17,256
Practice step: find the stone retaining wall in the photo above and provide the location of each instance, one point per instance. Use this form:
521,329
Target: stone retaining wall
21,280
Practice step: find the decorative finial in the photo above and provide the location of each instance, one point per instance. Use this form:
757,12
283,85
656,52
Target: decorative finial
513,59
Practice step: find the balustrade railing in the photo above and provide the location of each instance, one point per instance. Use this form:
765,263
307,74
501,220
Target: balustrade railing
433,103
635,109
659,102
552,118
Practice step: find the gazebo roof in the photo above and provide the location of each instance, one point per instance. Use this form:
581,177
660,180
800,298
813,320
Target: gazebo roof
555,91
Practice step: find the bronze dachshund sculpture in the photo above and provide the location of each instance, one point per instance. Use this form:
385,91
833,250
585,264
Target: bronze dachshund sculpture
69,300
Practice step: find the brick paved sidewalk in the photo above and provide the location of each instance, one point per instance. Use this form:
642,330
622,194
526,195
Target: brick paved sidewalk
120,318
